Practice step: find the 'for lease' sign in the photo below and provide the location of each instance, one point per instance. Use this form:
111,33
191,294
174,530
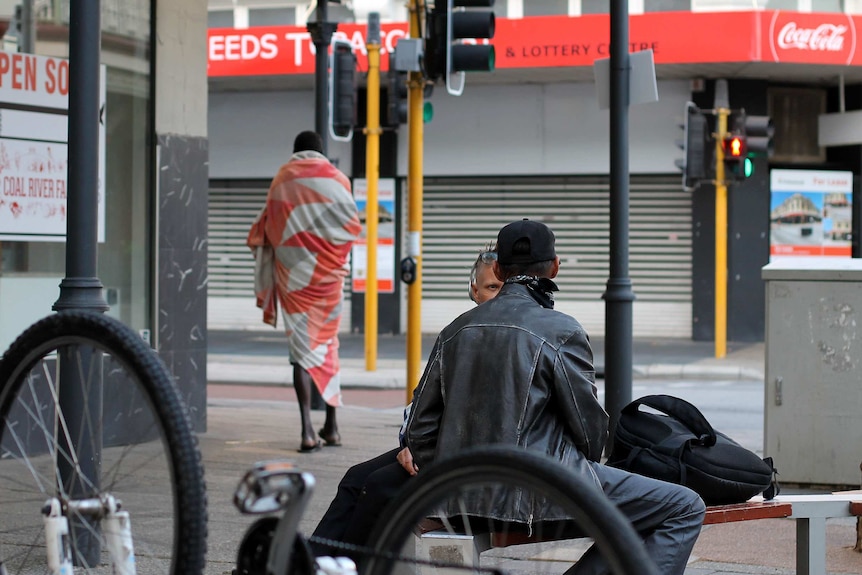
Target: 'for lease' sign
34,103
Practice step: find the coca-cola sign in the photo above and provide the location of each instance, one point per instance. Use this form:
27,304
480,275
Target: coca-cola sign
827,37
812,38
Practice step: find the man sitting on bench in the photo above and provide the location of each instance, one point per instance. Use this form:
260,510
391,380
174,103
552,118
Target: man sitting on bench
367,486
550,402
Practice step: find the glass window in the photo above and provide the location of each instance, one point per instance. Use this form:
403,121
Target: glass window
827,5
272,16
500,9
339,13
596,7
666,5
125,257
335,13
782,5
546,7
220,19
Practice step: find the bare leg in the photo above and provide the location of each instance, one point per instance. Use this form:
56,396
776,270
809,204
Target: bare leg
303,383
317,403
329,432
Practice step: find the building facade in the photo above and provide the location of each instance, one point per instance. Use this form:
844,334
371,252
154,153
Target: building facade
152,258
530,140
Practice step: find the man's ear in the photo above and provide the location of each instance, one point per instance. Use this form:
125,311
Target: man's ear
497,272
474,291
555,268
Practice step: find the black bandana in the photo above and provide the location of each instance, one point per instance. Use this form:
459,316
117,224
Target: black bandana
541,289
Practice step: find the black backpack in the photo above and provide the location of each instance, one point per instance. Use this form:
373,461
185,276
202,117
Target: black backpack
680,446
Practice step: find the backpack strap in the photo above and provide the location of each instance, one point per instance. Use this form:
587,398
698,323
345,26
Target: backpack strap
774,488
681,410
636,452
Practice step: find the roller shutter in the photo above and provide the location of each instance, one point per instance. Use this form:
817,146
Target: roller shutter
232,209
461,215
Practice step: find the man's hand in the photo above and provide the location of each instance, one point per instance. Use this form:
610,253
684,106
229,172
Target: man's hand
405,458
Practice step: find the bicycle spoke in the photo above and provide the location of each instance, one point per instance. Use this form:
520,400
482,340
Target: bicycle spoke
529,505
19,445
91,420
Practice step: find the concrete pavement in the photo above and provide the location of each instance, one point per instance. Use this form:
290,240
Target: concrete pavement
260,357
252,415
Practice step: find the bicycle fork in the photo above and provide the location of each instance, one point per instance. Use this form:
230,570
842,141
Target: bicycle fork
115,525
273,486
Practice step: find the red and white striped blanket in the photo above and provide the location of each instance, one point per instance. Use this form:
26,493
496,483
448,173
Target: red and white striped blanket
301,241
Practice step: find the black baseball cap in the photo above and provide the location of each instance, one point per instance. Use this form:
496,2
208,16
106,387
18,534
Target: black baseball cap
539,236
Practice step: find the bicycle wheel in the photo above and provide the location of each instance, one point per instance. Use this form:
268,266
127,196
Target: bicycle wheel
91,421
460,492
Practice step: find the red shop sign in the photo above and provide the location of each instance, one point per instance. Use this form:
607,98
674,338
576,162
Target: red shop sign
811,38
277,50
564,41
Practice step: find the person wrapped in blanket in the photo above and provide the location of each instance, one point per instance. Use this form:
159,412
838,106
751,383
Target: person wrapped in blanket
301,241
367,486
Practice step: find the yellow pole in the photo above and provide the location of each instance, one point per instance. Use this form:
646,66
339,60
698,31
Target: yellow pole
372,169
720,239
414,216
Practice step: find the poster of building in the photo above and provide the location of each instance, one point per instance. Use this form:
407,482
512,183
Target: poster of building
810,214
34,103
385,236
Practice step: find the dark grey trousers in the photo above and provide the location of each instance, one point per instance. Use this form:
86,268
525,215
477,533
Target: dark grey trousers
668,517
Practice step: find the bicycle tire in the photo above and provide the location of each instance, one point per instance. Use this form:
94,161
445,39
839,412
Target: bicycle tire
508,468
169,519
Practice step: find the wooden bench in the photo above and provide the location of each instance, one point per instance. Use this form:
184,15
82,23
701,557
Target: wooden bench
856,509
809,511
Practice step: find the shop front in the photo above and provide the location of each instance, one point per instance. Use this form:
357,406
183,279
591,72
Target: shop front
529,140
151,249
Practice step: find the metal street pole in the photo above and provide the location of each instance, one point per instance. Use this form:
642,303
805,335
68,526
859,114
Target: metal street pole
81,289
619,295
415,128
27,42
321,35
722,105
372,170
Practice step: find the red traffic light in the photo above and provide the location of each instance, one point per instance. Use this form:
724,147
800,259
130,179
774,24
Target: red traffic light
734,147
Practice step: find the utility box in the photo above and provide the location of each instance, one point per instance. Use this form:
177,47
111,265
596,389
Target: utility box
813,402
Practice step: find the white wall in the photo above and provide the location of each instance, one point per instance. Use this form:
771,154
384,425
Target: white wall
545,129
251,133
181,57
516,129
24,299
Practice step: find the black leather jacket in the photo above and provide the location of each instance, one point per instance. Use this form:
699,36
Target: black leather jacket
509,371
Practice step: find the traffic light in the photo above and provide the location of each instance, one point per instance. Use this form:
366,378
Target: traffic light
735,156
396,110
758,132
750,136
342,90
697,153
404,58
454,31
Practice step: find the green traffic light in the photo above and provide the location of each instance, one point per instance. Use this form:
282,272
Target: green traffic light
427,112
748,169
